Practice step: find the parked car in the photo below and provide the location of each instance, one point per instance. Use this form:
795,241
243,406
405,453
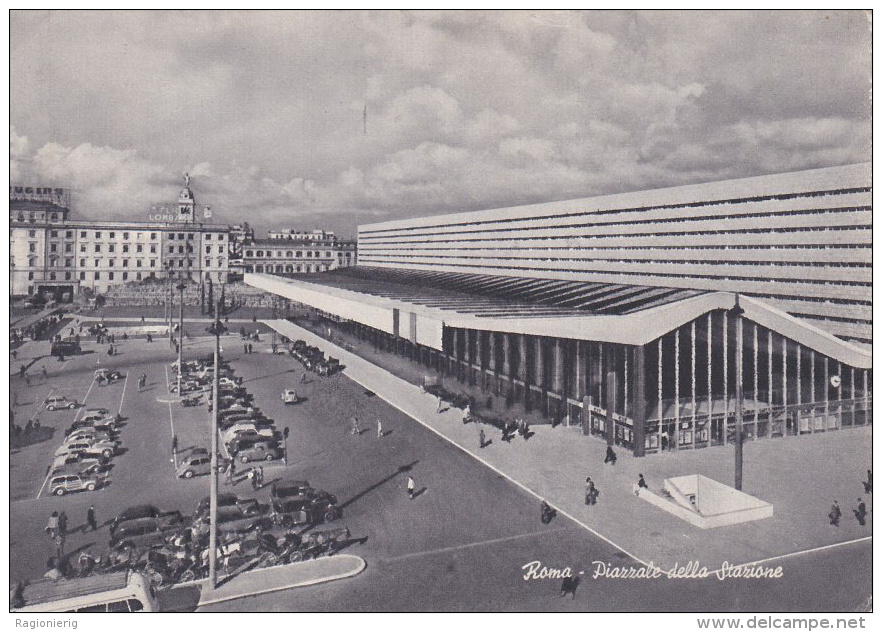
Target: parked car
234,519
232,382
80,462
65,348
249,506
199,464
288,487
312,507
107,374
144,532
232,420
139,512
261,451
82,468
107,426
100,414
90,448
289,396
54,402
88,434
252,429
63,483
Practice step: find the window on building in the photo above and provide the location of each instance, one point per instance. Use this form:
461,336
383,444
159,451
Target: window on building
190,236
260,253
97,261
82,276
125,263
97,247
69,234
113,235
181,236
139,248
32,263
82,263
180,263
82,247
53,262
82,234
138,276
54,216
125,248
138,263
53,247
278,253
208,250
153,263
207,236
180,249
67,276
32,247
299,254
110,275
125,276
111,263
152,249
53,233
32,234
152,235
111,248
220,250
289,268
51,276
97,276
97,234
258,268
309,253
249,253
220,237
126,236
68,247
30,276
68,263
220,263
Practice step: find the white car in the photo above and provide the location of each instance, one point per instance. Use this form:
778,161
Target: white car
289,396
226,381
87,434
58,401
247,428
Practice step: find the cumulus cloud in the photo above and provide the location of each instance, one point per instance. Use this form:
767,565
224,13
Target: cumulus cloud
333,118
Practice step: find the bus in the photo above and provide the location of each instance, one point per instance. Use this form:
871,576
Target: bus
110,592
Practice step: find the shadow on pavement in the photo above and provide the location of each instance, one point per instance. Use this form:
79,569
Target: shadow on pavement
401,469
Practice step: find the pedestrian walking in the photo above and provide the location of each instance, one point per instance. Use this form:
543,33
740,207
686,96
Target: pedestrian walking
835,514
252,476
303,378
641,482
440,404
245,347
861,512
59,547
230,473
149,338
410,487
379,429
547,513
91,521
174,457
62,523
28,427
590,492
14,354
482,439
259,477
868,485
355,429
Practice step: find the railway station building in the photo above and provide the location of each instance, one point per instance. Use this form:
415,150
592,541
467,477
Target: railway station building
646,316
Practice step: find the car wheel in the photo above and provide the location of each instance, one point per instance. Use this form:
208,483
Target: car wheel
269,457
244,459
295,556
50,407
107,453
91,487
59,491
188,474
331,515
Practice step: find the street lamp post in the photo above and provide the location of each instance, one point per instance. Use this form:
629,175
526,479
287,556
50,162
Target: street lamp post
180,288
217,329
737,312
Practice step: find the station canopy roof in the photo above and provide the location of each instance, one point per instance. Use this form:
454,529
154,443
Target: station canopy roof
604,312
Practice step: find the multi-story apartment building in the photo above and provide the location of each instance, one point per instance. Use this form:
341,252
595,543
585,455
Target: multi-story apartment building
49,252
289,256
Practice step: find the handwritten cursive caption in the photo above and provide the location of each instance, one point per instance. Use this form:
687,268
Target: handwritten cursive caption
691,570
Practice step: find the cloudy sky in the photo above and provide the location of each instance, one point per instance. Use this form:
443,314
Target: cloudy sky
464,111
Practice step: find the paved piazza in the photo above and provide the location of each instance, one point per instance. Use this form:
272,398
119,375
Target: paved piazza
461,544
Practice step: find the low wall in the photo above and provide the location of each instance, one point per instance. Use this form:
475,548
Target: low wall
716,505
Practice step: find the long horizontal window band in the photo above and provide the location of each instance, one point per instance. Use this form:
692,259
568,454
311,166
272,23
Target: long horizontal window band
694,262
622,273
764,247
635,222
785,196
742,231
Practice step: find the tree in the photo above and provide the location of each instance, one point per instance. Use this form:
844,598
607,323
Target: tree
210,294
223,304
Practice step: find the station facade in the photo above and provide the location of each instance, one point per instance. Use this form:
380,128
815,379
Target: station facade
650,318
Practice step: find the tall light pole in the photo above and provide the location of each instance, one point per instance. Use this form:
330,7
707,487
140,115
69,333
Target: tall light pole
180,288
217,329
737,312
